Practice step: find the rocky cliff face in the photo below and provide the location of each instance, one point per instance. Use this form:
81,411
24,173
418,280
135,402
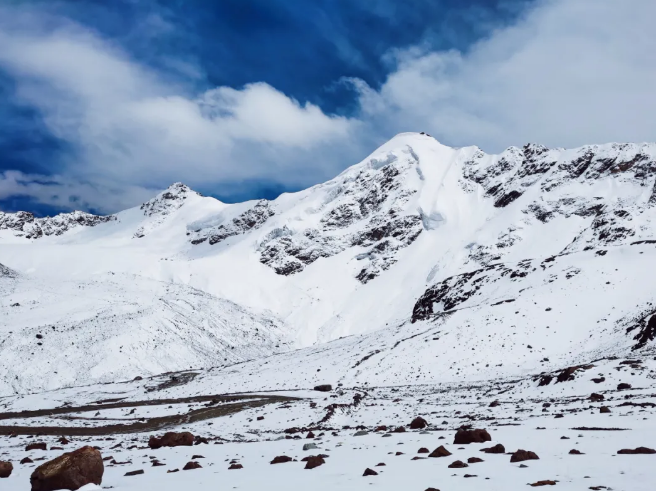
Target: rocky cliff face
25,224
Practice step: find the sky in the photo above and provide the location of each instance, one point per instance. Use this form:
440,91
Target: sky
103,104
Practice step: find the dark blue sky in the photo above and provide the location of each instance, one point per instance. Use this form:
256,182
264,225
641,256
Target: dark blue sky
302,48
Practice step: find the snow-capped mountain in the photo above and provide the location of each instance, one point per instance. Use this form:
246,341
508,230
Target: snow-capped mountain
450,263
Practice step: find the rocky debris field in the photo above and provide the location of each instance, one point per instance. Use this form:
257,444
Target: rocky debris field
575,432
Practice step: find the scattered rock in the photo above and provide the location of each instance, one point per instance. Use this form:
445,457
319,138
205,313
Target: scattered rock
309,446
522,455
6,469
596,397
599,380
235,467
361,433
172,439
134,473
575,452
623,386
192,465
172,471
543,483
474,460
464,437
369,472
440,452
26,460
324,388
418,423
71,470
458,464
636,451
498,448
423,450
400,429
281,459
494,404
604,409
36,446
314,461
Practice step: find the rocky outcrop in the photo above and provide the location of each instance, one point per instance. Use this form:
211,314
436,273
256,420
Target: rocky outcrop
25,224
465,436
6,469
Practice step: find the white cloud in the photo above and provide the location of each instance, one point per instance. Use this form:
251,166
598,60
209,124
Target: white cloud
128,126
569,72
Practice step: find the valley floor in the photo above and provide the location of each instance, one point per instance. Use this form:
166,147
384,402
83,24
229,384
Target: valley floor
548,417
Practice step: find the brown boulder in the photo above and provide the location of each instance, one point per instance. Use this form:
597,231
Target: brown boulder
369,472
281,459
324,388
5,469
474,460
498,448
235,467
623,386
314,461
27,460
134,473
604,410
458,464
636,451
575,452
36,446
440,452
464,437
543,483
494,404
522,455
596,397
172,439
71,470
191,466
418,423
423,450
400,429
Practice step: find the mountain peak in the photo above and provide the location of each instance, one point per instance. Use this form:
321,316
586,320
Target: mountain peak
172,198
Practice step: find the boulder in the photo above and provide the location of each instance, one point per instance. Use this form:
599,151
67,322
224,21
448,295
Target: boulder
71,470
458,464
5,469
36,446
440,452
191,466
281,459
27,460
309,446
604,410
235,467
575,452
623,386
522,455
543,483
314,461
636,451
423,450
134,473
172,439
418,423
369,472
498,448
324,388
596,397
474,460
464,436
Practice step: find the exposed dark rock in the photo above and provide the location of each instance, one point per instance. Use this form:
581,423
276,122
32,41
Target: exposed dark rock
281,459
192,465
369,472
440,451
6,469
36,446
522,455
418,423
458,464
464,436
172,439
498,448
69,471
314,461
636,451
324,388
134,473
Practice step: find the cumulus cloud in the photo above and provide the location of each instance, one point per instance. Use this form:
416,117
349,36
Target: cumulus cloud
567,73
129,126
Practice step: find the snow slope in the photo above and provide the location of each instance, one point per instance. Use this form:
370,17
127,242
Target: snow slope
488,254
